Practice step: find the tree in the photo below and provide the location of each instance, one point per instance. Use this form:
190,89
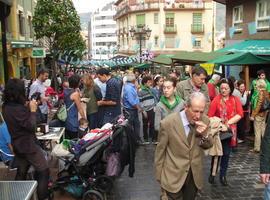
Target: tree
58,24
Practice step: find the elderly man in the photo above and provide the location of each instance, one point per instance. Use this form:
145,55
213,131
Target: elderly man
178,156
195,84
130,100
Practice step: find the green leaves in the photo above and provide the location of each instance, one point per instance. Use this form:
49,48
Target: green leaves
58,21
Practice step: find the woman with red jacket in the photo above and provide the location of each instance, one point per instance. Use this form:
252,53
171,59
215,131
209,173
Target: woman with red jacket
229,109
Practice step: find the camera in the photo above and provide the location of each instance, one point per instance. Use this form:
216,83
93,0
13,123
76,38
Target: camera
36,96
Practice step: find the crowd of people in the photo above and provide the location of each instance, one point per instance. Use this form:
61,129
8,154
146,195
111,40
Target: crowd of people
174,115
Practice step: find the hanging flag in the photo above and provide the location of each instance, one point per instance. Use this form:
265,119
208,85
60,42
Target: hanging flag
193,39
177,42
162,44
252,29
231,31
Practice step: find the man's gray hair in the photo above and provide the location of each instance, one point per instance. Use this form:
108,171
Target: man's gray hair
216,77
130,77
195,95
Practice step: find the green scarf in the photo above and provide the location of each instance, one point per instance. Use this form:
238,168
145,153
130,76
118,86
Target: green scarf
165,101
147,89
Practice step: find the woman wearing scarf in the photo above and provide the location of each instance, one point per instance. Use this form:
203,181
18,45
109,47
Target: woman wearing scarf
169,102
259,114
229,109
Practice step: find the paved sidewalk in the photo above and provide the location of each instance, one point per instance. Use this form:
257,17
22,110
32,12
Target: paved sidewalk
242,177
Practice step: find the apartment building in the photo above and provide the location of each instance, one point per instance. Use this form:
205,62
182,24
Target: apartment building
175,25
103,33
22,55
239,13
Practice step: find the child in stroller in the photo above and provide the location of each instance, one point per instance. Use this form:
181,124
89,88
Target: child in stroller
83,173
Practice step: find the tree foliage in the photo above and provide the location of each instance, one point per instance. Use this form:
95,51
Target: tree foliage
58,23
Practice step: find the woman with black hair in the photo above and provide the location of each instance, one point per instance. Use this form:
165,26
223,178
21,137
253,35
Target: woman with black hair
20,117
72,100
229,109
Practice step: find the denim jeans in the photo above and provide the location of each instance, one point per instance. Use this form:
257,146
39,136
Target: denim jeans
267,192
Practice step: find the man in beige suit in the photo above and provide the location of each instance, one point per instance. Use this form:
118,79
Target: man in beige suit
178,156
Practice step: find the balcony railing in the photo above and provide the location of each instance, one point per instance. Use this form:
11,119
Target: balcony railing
197,28
135,8
185,5
170,28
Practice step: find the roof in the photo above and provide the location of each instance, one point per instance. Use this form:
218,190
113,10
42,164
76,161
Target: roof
142,66
164,59
197,57
221,1
257,47
241,59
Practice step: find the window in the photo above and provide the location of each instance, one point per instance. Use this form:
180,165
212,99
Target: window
237,16
169,41
197,44
197,22
21,23
30,26
140,19
155,18
169,20
263,14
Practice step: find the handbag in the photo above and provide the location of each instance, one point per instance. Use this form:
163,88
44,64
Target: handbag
62,112
224,135
266,105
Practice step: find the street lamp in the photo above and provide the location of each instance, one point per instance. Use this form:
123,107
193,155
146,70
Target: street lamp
141,33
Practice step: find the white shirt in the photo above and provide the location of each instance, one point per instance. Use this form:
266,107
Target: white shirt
185,121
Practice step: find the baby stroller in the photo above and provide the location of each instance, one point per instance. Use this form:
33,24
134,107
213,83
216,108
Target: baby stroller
83,173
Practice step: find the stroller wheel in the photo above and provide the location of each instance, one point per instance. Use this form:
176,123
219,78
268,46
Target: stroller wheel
104,183
92,195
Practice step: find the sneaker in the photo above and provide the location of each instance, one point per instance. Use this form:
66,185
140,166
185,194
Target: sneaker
155,143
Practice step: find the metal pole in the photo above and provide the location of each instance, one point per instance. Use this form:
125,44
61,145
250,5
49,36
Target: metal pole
140,37
4,10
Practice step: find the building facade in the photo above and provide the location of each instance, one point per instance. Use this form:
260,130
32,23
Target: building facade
20,41
239,13
103,33
175,25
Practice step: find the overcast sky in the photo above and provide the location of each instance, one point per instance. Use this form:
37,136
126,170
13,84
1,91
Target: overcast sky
83,6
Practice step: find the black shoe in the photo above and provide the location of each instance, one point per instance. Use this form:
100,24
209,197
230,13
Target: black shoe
223,181
211,179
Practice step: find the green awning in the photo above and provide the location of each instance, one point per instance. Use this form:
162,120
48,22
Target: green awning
257,47
164,59
142,66
196,57
241,59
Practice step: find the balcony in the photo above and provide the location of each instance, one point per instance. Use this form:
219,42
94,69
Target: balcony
142,7
185,6
197,28
170,29
121,12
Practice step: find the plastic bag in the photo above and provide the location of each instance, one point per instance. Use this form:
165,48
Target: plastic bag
113,165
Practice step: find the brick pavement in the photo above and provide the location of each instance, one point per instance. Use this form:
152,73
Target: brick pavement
242,177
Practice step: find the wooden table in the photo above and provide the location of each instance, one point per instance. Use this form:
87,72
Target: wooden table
17,190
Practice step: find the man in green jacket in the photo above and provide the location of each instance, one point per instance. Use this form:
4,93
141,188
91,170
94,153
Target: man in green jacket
265,161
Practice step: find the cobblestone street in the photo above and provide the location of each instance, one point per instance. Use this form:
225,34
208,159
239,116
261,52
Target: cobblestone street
242,177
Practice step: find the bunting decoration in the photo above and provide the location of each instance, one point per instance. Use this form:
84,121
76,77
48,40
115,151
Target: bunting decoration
162,44
232,31
177,43
193,39
252,29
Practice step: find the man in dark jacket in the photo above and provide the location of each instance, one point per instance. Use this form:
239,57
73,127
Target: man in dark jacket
265,160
